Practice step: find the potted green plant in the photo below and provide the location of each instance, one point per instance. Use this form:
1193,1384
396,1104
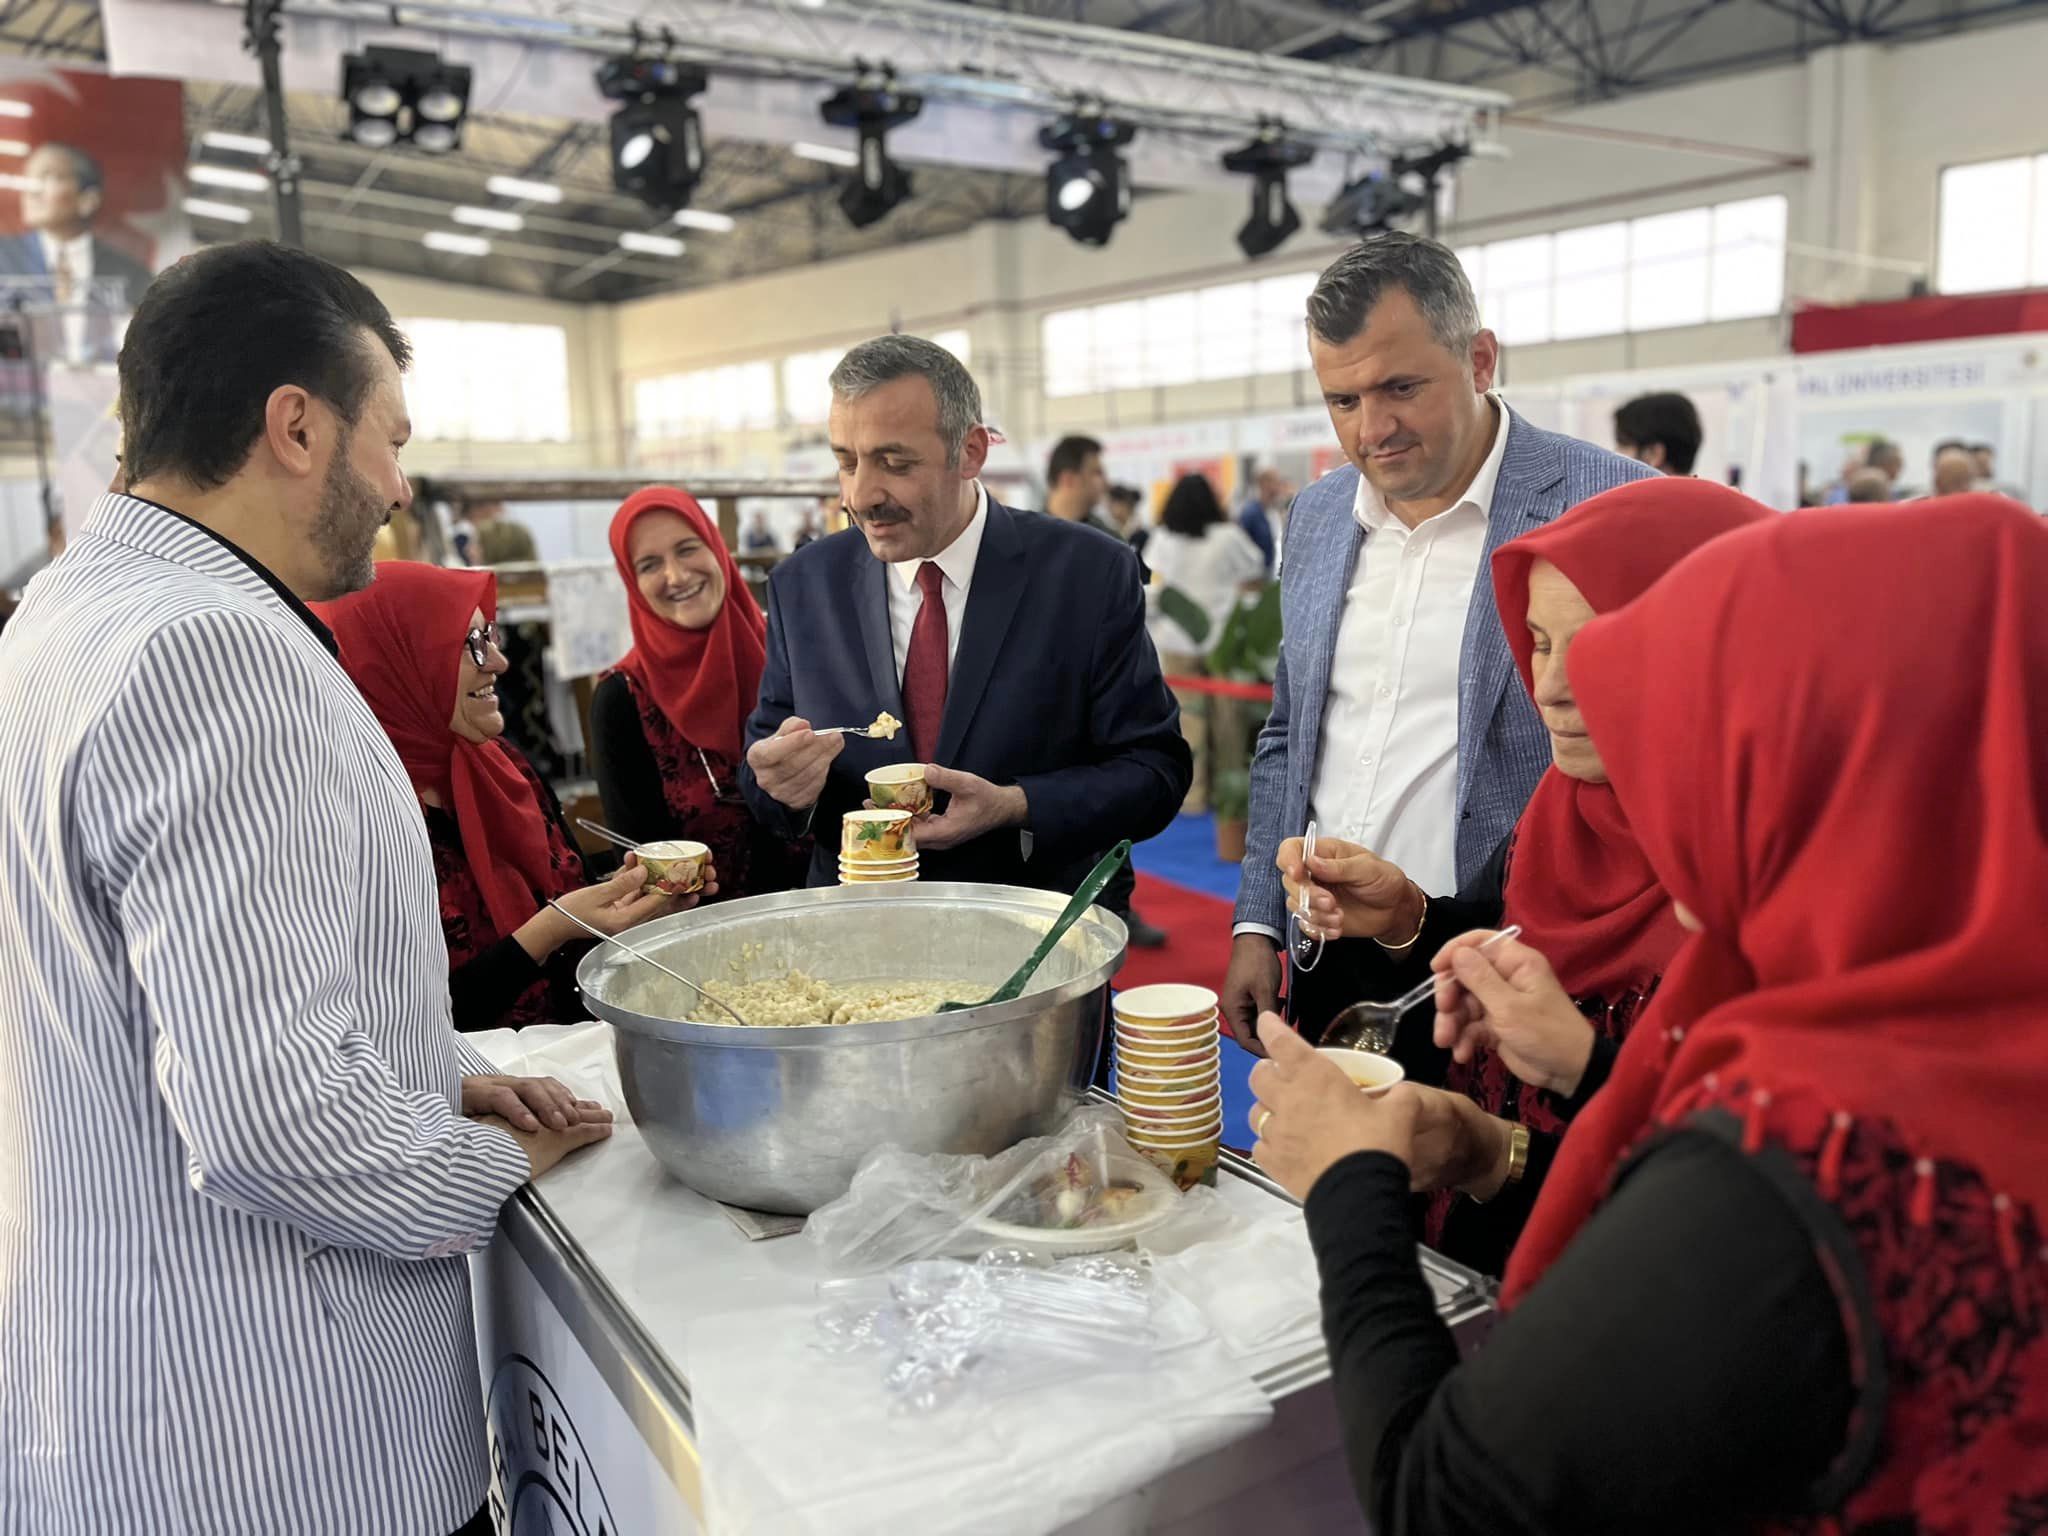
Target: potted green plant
1247,651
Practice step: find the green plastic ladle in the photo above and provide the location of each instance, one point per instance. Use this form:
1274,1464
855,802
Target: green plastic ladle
1084,898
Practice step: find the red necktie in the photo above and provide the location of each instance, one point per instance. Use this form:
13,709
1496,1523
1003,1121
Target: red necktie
924,668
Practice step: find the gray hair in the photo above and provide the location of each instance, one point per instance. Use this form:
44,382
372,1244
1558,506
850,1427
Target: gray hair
886,359
1427,270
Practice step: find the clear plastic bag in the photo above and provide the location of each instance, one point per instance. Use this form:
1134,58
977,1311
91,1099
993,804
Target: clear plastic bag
944,1329
1079,1190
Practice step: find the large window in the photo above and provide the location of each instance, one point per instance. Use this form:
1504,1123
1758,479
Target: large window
736,398
806,378
1231,331
1993,226
483,381
1698,265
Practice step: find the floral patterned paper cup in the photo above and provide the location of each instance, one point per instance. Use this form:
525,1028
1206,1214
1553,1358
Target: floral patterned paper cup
900,787
1168,1005
876,837
674,868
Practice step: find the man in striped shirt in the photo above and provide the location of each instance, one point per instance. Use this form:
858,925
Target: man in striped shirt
238,1168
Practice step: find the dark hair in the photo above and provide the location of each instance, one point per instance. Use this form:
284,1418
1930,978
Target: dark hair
1191,507
1069,457
1951,442
222,330
1129,493
1426,269
1668,420
1883,448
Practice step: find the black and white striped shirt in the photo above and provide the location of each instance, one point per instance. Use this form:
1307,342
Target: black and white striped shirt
234,1180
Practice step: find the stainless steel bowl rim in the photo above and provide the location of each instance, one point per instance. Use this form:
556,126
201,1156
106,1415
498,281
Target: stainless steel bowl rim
605,958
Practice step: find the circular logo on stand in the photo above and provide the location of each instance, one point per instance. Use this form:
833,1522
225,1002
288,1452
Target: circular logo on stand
542,1480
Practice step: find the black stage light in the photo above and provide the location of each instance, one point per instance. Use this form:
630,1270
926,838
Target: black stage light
872,107
1088,189
402,95
657,137
1375,202
1267,160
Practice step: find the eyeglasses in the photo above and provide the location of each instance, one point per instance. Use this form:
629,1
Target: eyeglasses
481,642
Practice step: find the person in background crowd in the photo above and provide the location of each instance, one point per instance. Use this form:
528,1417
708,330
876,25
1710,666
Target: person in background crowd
1198,551
1787,1270
1570,874
1662,431
1076,486
422,645
243,1171
1126,509
499,539
1050,740
1986,458
1869,484
1393,725
667,723
760,537
1889,460
817,521
1258,515
1955,469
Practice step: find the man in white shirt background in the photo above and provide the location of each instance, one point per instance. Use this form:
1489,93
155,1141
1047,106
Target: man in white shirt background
1393,725
93,283
1011,644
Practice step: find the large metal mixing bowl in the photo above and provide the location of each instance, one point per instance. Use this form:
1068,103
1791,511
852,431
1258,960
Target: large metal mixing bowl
777,1118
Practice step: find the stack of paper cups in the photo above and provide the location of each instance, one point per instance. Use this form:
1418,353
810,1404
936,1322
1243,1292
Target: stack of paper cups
1169,1078
877,848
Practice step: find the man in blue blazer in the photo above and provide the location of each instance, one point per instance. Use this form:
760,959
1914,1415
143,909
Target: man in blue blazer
1397,724
1011,645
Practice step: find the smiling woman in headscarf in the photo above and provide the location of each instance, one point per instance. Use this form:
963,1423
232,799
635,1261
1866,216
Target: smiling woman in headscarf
422,645
1570,874
667,722
1790,1271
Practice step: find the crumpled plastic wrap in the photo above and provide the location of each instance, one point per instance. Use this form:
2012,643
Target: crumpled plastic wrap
1084,1178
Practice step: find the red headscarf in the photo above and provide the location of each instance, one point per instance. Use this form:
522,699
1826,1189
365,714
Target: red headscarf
1831,734
401,640
1587,898
704,680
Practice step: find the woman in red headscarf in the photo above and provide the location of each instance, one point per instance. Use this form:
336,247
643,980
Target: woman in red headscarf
668,723
1790,1271
422,645
1570,874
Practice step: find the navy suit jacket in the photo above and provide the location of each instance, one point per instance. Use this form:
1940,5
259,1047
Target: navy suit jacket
1503,748
1055,687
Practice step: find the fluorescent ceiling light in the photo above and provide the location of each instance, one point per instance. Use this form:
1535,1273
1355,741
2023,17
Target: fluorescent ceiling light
14,148
246,143
717,223
827,154
456,245
650,245
16,109
532,191
234,181
232,213
489,218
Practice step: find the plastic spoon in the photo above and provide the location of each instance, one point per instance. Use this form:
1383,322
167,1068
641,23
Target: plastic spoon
1084,898
1370,1026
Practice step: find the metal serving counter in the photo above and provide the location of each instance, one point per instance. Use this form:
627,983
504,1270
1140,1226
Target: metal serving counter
585,1297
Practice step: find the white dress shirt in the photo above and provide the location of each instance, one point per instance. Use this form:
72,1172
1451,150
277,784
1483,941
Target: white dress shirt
957,561
1387,772
75,258
235,1181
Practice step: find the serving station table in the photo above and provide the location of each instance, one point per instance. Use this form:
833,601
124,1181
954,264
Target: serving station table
597,1273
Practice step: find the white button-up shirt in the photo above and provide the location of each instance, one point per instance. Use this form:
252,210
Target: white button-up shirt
1387,771
234,1175
957,560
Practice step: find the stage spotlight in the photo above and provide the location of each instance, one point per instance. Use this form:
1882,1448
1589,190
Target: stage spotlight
1267,160
872,107
1376,202
401,95
1088,189
657,137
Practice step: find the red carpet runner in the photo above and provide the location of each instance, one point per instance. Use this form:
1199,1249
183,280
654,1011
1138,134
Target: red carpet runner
1198,937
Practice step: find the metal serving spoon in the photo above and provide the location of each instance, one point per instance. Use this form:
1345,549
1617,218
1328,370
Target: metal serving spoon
674,975
1370,1026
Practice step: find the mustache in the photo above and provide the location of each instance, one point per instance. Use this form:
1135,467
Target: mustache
885,515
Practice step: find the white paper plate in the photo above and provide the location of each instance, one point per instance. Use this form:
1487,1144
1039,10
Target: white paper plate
1080,1240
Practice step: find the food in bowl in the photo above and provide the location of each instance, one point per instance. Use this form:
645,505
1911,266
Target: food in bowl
1375,1074
900,787
1074,1196
674,868
798,999
876,837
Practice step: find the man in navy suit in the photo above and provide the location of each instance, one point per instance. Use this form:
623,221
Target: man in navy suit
1395,724
1012,646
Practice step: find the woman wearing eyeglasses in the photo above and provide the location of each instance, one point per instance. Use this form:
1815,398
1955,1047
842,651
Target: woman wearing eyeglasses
667,722
421,644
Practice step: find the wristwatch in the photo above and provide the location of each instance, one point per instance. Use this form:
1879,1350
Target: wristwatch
1518,1160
